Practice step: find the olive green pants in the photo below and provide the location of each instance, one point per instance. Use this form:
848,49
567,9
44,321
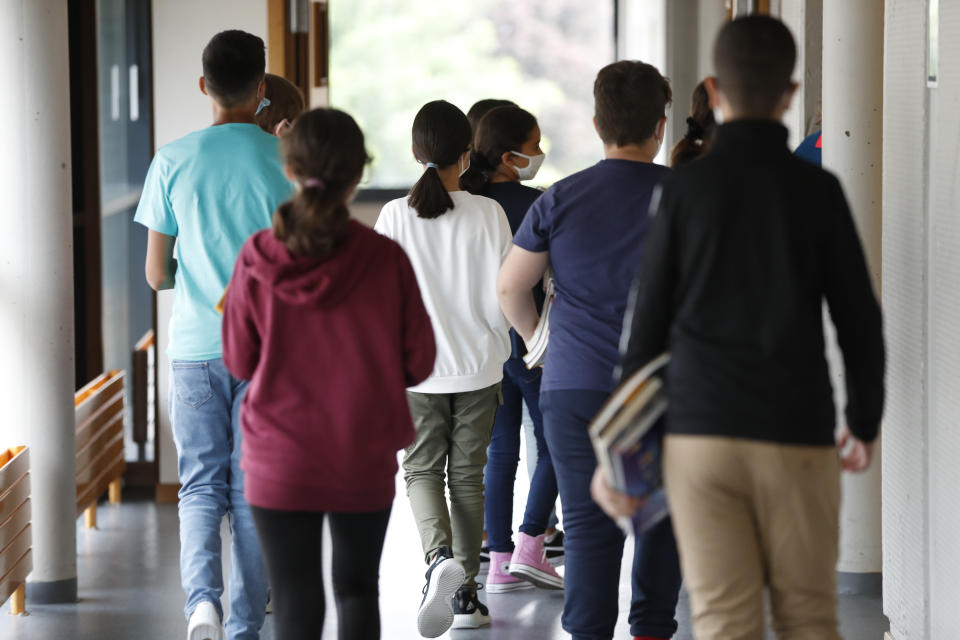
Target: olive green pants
450,452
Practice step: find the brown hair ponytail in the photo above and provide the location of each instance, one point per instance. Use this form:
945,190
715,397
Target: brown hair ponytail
441,133
700,130
325,151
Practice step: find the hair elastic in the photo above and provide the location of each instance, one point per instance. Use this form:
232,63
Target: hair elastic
313,183
432,165
694,130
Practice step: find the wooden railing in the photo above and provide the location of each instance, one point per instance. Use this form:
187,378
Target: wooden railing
100,456
16,558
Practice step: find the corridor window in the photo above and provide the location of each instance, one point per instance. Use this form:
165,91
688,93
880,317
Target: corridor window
389,57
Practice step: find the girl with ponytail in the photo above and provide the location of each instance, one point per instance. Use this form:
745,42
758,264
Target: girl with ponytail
506,150
324,317
701,128
456,241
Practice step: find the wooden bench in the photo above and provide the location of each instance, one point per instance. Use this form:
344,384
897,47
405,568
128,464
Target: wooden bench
101,462
16,559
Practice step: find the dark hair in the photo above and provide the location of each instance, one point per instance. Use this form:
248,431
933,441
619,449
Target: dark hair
630,99
286,103
441,133
480,108
700,129
233,65
501,130
754,58
325,151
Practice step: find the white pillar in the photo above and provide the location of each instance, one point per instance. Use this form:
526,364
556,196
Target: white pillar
36,280
852,149
712,16
805,20
682,65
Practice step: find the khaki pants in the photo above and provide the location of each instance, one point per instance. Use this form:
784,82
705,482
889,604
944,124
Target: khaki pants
453,432
751,514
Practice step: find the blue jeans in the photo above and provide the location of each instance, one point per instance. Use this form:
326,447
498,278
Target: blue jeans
519,385
594,543
205,415
530,444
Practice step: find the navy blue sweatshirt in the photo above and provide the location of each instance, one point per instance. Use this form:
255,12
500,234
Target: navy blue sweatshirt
515,199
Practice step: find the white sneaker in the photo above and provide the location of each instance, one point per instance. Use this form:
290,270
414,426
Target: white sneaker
205,623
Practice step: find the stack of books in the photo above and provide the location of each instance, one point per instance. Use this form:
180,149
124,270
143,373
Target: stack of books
627,436
537,349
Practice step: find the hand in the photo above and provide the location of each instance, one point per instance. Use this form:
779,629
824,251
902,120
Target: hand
614,504
855,454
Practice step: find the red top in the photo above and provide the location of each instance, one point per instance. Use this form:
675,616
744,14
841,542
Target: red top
329,347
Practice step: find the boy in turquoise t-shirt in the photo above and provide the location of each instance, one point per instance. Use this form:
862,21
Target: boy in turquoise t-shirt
205,194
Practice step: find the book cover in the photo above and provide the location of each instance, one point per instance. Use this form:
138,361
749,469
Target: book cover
627,436
537,349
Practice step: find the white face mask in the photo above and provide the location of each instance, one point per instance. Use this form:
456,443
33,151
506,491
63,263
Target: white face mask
718,115
533,165
463,169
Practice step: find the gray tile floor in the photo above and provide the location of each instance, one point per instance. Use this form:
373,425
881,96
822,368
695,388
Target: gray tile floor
129,589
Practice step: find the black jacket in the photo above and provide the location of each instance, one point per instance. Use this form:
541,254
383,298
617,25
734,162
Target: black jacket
746,245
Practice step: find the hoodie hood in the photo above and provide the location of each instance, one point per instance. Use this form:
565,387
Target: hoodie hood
309,281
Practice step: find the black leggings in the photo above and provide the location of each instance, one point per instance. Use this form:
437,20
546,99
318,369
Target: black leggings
291,543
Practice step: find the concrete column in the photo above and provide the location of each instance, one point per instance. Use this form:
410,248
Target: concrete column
852,149
691,28
712,16
36,281
805,19
682,65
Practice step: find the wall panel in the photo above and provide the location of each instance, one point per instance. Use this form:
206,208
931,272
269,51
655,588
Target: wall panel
904,461
944,304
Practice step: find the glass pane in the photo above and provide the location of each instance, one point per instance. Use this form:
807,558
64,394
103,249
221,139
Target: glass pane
125,150
114,99
389,57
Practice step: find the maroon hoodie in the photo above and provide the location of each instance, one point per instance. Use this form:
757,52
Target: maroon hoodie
329,347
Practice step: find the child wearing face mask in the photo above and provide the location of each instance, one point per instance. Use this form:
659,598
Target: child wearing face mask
507,151
282,103
204,195
456,242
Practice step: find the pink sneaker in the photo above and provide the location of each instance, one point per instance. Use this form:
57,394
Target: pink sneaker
498,580
529,561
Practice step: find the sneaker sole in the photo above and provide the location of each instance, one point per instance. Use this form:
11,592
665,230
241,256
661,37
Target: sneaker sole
540,578
205,632
507,587
556,561
436,612
470,621
205,629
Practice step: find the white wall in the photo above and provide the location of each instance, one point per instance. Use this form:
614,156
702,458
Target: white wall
712,16
944,320
921,518
181,28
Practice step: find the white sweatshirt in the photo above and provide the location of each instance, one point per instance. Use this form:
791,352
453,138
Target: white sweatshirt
456,258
